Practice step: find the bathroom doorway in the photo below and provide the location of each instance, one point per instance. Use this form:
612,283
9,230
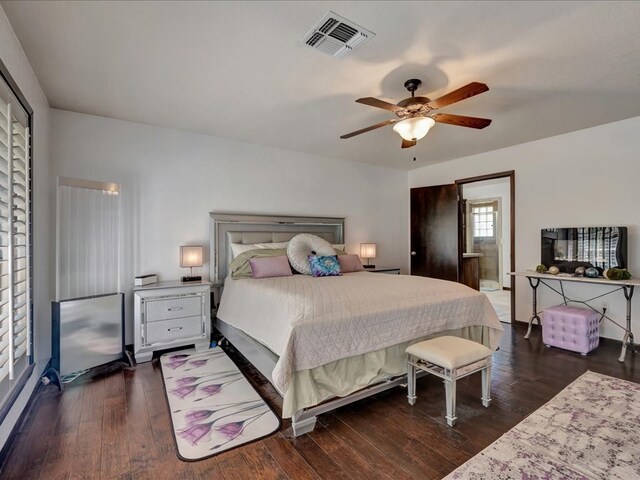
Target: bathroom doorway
486,224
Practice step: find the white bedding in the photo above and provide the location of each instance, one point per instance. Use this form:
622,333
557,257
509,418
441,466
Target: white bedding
309,322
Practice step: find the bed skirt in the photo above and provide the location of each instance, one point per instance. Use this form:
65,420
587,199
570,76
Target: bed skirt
348,375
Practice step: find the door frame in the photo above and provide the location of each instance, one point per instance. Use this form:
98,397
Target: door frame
511,175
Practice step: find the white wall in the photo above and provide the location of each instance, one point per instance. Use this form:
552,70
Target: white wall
589,177
172,179
16,62
498,188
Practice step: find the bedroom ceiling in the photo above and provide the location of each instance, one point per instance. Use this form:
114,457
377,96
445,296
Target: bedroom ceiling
238,69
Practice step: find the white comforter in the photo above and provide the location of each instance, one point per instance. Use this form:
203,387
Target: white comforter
310,322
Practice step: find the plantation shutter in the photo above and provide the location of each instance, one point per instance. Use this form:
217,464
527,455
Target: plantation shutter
15,250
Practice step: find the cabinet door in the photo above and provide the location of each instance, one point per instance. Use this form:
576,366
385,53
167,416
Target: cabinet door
434,232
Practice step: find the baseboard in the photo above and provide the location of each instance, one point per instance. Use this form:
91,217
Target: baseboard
508,289
15,430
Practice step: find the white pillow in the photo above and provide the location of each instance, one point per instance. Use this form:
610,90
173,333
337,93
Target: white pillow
238,248
303,245
339,246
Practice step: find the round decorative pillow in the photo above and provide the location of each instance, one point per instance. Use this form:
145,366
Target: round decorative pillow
303,245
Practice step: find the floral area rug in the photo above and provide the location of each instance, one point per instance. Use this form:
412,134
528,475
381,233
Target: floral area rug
213,407
588,431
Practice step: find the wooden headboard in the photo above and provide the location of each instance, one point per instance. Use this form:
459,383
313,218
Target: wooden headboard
227,228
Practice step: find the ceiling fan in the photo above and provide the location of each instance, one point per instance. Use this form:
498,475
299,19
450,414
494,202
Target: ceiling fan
414,113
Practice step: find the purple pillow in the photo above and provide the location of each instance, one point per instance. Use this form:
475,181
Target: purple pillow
265,267
350,263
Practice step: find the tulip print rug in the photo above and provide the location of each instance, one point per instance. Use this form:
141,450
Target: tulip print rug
213,407
588,431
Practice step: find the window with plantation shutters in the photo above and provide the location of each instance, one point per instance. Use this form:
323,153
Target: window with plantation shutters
15,242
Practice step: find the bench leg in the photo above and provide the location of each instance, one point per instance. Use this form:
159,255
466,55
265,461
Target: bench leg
486,386
411,384
450,393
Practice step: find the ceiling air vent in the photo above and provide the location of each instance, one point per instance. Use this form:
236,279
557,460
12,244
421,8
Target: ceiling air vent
336,36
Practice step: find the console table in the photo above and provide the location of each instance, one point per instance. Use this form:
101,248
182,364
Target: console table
626,286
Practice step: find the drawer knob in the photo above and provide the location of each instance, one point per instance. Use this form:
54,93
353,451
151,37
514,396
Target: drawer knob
173,328
173,309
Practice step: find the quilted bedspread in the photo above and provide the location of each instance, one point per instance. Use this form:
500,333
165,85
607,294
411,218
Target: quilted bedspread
309,322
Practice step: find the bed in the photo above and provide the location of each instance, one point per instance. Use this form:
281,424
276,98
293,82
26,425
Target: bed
325,342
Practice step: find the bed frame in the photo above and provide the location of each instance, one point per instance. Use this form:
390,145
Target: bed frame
228,228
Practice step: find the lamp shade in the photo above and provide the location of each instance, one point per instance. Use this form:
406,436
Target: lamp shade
191,256
414,128
367,250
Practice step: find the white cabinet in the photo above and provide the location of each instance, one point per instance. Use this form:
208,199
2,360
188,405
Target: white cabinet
171,314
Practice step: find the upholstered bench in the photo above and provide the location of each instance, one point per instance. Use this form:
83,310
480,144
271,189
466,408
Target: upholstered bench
449,358
571,328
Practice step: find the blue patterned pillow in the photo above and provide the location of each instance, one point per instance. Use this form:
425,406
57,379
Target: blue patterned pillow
324,266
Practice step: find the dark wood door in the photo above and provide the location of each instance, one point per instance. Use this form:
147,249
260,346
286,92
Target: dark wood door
434,232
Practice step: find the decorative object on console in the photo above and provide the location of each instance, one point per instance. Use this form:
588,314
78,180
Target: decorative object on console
267,267
368,251
191,256
580,271
303,245
569,248
141,280
327,266
591,272
554,270
541,269
213,406
617,274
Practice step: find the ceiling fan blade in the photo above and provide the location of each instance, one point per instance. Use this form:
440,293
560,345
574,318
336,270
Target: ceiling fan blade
372,127
408,143
461,120
467,91
374,102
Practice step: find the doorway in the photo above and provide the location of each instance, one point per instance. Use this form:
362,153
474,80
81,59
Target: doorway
486,211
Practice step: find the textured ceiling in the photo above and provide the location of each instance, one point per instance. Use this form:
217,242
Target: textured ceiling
238,70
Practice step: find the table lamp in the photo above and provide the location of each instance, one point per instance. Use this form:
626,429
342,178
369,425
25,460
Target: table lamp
191,256
368,251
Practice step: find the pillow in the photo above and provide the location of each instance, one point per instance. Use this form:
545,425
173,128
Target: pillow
241,268
324,266
350,263
238,248
303,245
266,267
339,251
338,246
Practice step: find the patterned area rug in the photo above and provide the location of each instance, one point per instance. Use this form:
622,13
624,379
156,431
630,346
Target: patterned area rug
213,407
588,431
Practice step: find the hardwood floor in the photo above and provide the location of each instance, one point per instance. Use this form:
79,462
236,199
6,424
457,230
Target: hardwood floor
116,425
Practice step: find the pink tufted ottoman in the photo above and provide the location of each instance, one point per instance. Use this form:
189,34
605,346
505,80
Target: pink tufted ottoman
571,328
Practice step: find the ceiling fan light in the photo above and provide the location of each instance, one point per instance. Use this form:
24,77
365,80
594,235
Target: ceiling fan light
414,128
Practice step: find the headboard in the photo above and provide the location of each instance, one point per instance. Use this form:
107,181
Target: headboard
227,228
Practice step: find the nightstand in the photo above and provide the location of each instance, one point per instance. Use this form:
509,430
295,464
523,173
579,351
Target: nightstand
389,270
171,314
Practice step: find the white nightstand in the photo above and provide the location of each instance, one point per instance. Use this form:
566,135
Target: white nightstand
171,314
389,270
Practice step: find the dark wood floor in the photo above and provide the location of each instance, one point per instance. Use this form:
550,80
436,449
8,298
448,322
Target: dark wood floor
117,425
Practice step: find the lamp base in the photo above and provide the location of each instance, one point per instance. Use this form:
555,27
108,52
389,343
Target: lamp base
191,279
369,266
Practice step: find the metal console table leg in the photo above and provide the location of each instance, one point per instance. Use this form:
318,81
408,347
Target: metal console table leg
627,340
534,282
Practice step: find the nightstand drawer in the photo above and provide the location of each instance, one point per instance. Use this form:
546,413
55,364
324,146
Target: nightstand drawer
172,307
173,329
